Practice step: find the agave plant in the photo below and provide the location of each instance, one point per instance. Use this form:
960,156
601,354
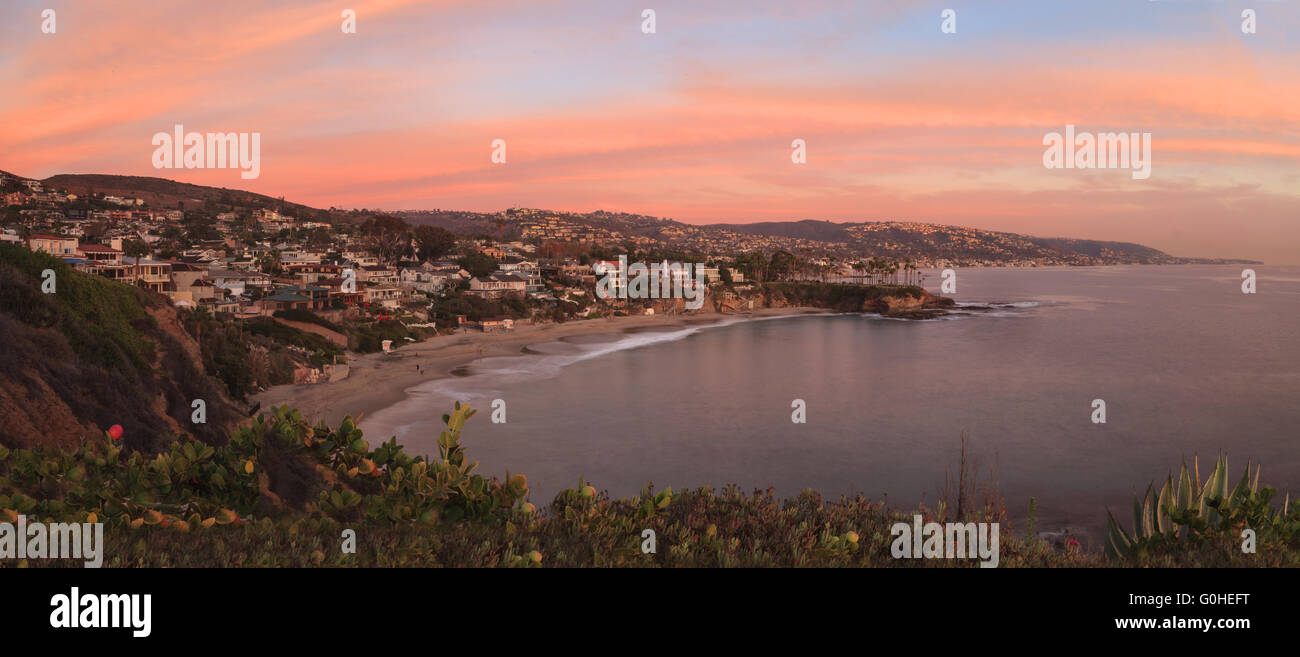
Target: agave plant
1168,513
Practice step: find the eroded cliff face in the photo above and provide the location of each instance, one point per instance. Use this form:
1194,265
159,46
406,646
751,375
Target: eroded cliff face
33,414
910,307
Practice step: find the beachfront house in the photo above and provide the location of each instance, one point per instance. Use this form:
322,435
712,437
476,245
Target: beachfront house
495,324
154,275
495,286
54,245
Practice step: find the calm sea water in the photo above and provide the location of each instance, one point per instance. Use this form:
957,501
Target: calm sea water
1186,363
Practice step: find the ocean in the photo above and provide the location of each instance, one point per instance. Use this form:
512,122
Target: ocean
1186,364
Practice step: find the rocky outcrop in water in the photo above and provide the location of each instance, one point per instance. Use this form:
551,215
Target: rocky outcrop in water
906,302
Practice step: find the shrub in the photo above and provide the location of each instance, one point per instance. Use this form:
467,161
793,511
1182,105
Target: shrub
1191,517
302,315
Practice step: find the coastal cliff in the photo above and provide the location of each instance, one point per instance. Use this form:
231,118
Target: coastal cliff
901,301
90,353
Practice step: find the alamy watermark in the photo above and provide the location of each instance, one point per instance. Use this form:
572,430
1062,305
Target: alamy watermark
91,610
212,150
677,280
952,540
1106,150
59,540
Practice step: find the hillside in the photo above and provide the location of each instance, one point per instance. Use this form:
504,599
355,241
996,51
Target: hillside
163,193
825,231
93,354
926,243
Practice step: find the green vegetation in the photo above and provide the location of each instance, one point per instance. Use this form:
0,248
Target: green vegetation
432,242
1189,516
320,348
260,352
103,352
224,351
852,297
301,315
192,486
99,318
445,311
281,491
477,264
370,337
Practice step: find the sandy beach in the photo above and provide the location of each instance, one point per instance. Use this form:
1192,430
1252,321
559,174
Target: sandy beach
379,380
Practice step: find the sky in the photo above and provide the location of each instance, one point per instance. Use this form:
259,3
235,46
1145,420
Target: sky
695,121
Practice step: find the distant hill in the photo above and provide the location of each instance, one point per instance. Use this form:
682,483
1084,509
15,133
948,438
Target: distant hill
160,192
461,223
897,240
891,239
1100,249
923,240
824,231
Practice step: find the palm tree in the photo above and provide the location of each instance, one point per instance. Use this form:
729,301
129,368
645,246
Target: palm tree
136,249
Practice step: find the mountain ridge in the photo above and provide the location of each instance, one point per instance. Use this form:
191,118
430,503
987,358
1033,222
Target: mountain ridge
899,240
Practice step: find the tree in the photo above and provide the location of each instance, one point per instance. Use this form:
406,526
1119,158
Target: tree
552,250
753,265
269,263
136,249
388,236
724,272
477,264
318,238
433,242
782,265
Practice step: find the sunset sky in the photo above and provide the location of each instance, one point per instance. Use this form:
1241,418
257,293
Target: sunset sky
694,122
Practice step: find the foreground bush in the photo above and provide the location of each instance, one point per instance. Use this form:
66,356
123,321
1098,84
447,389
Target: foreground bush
1207,520
699,528
282,492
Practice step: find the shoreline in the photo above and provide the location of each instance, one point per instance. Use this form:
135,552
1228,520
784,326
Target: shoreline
377,380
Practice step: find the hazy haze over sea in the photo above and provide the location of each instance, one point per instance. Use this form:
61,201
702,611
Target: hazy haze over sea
1186,363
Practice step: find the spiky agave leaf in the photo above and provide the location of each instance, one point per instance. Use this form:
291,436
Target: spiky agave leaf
1239,491
1221,478
1149,512
1196,472
1166,524
1208,491
1138,515
1185,498
1220,485
1118,542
